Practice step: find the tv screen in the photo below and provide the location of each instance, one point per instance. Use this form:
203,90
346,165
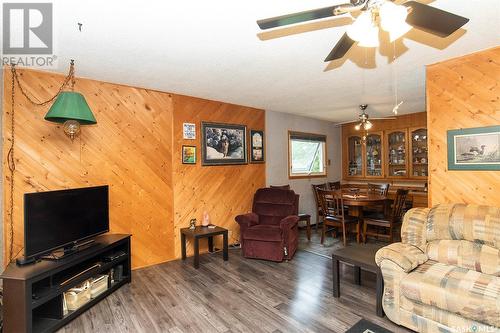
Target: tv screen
55,219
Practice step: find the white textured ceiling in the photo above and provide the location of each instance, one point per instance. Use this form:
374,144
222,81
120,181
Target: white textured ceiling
211,49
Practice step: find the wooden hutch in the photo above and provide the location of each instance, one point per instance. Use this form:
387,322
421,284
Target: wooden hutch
392,151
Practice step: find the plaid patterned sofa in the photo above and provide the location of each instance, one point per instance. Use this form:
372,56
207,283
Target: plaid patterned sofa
444,276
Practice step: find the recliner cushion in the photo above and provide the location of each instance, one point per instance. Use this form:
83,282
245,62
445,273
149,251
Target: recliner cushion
469,293
266,233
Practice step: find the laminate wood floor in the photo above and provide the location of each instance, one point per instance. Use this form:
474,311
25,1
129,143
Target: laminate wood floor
240,295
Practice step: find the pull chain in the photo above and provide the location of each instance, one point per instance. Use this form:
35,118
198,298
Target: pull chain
12,165
11,161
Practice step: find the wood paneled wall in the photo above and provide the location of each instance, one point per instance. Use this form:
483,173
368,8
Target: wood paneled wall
462,93
136,149
222,191
130,149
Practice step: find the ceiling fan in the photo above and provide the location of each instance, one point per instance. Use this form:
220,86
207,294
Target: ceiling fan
363,121
395,19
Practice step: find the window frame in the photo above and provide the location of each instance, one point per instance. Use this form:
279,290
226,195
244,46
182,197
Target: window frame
324,174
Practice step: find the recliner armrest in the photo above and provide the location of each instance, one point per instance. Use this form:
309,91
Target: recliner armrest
289,222
406,256
247,220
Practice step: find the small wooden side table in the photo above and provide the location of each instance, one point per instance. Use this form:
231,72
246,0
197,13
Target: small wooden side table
306,218
203,232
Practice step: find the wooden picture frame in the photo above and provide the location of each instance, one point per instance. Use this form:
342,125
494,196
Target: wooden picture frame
257,143
188,154
223,144
474,148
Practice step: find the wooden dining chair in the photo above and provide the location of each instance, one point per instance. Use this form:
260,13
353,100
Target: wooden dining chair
380,189
319,212
389,222
332,204
334,185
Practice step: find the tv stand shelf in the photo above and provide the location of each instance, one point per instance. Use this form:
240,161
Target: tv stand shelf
33,294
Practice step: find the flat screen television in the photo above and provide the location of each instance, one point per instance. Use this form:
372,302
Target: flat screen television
60,219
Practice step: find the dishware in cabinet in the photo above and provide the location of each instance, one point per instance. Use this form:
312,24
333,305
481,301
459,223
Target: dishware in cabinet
355,156
374,155
397,153
419,153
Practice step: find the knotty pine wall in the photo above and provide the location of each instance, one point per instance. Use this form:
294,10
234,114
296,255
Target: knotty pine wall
222,191
462,93
135,148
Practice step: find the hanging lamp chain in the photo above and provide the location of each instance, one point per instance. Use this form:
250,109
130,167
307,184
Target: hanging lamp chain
11,161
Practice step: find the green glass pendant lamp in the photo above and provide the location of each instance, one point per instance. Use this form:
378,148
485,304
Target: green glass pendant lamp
71,109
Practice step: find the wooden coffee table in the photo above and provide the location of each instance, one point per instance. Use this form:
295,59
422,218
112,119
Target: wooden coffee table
361,256
203,232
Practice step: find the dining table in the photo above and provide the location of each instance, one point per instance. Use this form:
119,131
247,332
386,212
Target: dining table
357,201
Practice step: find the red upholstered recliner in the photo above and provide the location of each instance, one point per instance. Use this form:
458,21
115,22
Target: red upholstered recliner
270,232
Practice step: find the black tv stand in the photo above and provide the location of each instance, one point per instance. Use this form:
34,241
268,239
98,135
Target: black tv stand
33,294
68,250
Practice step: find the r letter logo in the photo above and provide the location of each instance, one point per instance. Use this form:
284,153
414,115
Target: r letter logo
27,28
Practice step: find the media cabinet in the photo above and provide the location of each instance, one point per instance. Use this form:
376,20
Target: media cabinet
33,294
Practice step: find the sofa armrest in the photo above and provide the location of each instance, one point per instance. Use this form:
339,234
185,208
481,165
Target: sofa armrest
247,220
289,222
406,256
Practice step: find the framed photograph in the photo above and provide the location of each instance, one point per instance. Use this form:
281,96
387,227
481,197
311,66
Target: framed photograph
223,144
257,146
188,154
474,148
188,131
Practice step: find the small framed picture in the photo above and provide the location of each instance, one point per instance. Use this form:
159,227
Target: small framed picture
257,146
474,148
189,154
188,131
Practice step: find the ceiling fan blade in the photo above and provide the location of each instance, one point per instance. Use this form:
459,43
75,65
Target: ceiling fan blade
383,118
341,48
433,20
307,15
346,122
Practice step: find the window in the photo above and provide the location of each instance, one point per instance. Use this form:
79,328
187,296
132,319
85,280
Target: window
307,155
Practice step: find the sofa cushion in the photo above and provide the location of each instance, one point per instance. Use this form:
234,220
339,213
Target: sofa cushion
462,253
266,233
467,222
469,293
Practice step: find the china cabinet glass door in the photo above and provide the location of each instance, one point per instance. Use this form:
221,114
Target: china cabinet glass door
374,155
355,153
419,157
396,145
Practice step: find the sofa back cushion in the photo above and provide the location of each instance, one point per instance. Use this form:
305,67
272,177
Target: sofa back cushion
462,253
473,223
272,205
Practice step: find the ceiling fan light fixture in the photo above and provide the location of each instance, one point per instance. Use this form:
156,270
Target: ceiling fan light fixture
357,30
357,127
367,125
370,38
393,20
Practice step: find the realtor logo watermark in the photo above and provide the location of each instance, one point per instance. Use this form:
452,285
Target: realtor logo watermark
28,34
